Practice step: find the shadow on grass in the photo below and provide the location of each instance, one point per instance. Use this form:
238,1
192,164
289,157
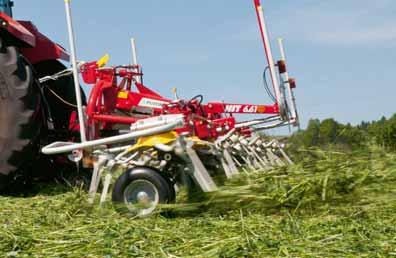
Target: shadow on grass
48,183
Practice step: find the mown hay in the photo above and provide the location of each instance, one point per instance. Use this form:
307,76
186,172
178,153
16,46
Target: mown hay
329,205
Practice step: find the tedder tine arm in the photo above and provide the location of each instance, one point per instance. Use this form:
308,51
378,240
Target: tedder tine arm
268,53
75,71
292,98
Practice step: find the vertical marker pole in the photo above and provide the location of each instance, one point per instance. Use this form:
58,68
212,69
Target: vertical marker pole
134,57
75,71
286,75
268,52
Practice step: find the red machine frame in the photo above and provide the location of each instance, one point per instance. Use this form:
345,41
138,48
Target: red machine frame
110,98
35,46
113,92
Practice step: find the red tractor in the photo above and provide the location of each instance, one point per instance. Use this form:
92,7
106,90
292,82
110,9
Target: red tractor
30,112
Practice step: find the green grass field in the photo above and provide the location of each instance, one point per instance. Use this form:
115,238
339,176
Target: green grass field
328,205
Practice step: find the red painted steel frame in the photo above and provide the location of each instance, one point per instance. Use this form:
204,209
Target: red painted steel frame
37,47
17,30
110,98
108,95
44,48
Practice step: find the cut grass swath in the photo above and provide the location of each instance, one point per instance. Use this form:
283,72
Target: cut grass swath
329,205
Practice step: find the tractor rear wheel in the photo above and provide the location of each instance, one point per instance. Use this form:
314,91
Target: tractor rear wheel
20,113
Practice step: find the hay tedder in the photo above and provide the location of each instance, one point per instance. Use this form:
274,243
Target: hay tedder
151,145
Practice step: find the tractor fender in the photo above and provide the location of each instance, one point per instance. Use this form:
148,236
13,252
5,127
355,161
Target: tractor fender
32,44
44,49
15,32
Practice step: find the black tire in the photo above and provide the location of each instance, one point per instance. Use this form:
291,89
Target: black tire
20,114
138,175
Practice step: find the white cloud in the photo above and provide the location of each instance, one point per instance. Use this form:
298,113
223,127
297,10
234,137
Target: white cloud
345,24
336,22
377,34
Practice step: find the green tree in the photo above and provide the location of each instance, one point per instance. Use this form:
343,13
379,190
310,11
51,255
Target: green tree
310,137
328,131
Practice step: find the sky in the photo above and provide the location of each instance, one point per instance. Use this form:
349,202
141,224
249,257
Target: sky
342,52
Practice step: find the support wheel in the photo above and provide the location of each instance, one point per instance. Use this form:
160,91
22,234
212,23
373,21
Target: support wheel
140,190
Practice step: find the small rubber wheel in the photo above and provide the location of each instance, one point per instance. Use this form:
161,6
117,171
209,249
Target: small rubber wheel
139,191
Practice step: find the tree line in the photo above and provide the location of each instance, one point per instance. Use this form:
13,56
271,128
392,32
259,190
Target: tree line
330,133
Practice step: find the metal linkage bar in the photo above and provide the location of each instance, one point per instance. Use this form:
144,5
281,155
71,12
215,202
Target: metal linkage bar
292,98
65,147
134,58
75,70
197,169
96,175
231,167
